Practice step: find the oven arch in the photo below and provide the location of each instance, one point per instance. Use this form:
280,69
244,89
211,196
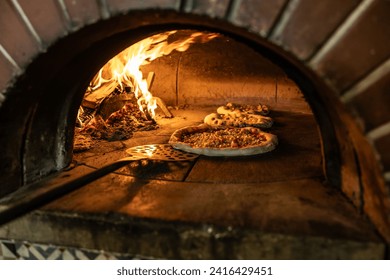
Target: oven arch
31,152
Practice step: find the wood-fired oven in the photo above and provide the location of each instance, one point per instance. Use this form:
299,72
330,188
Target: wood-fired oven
322,69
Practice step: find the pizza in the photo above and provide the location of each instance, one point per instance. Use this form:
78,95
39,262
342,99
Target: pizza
223,141
243,120
236,110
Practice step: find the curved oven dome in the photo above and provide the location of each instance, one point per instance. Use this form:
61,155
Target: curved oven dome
41,93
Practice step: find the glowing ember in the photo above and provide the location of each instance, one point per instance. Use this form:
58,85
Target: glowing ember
123,71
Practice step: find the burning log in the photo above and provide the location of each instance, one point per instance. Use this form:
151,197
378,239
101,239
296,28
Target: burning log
115,115
96,97
150,79
160,103
163,107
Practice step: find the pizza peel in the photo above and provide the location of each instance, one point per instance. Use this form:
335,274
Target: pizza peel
163,152
33,197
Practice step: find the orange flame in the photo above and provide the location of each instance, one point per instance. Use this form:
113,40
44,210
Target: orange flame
124,68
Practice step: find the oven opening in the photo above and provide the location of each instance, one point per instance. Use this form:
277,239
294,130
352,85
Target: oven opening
184,78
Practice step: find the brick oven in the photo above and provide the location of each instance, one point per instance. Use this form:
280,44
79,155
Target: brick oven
323,193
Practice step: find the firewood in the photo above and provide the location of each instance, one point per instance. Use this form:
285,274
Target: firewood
163,107
150,80
97,96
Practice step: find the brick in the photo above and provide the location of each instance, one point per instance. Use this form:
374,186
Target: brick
363,46
15,37
46,18
123,6
372,105
310,23
258,15
7,72
82,12
382,146
212,8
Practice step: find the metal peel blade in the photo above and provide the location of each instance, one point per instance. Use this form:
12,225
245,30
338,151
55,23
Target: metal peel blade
164,152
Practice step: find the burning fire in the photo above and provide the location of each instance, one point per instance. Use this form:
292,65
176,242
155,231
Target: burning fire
123,70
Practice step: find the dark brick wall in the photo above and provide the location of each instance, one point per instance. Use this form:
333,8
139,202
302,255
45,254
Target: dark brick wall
122,6
383,148
15,37
257,15
372,104
308,24
82,12
46,19
361,46
7,71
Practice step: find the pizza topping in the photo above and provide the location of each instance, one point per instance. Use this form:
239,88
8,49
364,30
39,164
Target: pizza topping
224,138
244,120
237,110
